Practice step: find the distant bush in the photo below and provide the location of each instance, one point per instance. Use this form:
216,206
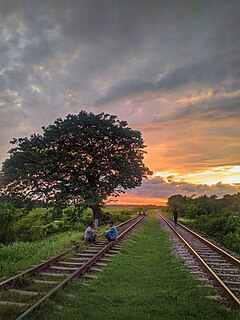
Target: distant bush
232,241
7,219
27,229
54,227
224,227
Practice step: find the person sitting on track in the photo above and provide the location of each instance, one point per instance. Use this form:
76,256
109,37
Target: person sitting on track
112,233
89,234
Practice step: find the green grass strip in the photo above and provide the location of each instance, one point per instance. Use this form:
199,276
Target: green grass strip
143,282
21,255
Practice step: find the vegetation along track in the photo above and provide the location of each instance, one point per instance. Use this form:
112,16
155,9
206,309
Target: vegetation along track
221,267
29,289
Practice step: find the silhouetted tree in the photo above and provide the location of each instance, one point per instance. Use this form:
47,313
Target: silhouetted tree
82,159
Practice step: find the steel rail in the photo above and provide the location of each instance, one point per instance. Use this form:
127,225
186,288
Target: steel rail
231,296
81,270
52,260
209,243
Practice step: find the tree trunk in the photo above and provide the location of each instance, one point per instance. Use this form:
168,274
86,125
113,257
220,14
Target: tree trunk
97,211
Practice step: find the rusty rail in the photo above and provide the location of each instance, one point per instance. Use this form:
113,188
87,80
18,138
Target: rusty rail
231,258
230,295
81,270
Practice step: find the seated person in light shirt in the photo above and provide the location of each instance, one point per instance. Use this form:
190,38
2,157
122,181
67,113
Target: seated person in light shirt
89,234
112,233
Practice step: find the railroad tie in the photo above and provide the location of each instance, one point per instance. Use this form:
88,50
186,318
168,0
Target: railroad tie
197,272
62,268
45,281
84,254
113,251
101,264
90,276
54,274
70,263
12,303
218,264
229,275
232,282
79,259
216,260
25,292
96,269
105,259
119,246
225,269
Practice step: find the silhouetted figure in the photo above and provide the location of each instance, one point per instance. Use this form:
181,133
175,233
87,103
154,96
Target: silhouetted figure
112,233
89,234
175,215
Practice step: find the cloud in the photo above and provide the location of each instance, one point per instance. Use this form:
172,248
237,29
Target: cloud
159,188
211,71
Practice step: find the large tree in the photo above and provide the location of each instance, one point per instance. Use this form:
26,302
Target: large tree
82,159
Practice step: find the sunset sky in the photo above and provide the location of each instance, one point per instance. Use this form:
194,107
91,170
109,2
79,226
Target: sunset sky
170,68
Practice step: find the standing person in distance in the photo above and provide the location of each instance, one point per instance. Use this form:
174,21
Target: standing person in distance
112,233
175,215
89,234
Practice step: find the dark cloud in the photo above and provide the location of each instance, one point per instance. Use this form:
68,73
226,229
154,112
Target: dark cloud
159,188
212,108
212,71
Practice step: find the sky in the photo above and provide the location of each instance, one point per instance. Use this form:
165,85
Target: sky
170,68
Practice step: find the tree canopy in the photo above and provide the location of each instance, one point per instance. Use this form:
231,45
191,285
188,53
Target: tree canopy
82,159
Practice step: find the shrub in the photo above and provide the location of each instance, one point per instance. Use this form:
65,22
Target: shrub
7,218
54,227
232,241
27,229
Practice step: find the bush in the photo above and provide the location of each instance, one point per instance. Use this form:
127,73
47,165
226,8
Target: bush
224,227
232,241
54,227
27,229
7,218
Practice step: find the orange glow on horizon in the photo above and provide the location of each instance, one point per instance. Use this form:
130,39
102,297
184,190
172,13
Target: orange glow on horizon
133,200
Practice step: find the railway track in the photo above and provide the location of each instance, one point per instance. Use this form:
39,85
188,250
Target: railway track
27,290
221,267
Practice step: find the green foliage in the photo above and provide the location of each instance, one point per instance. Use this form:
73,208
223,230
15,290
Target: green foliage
232,240
193,210
82,159
54,227
21,255
27,229
72,214
7,218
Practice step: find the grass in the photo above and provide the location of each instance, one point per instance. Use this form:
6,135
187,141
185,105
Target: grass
143,282
21,255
